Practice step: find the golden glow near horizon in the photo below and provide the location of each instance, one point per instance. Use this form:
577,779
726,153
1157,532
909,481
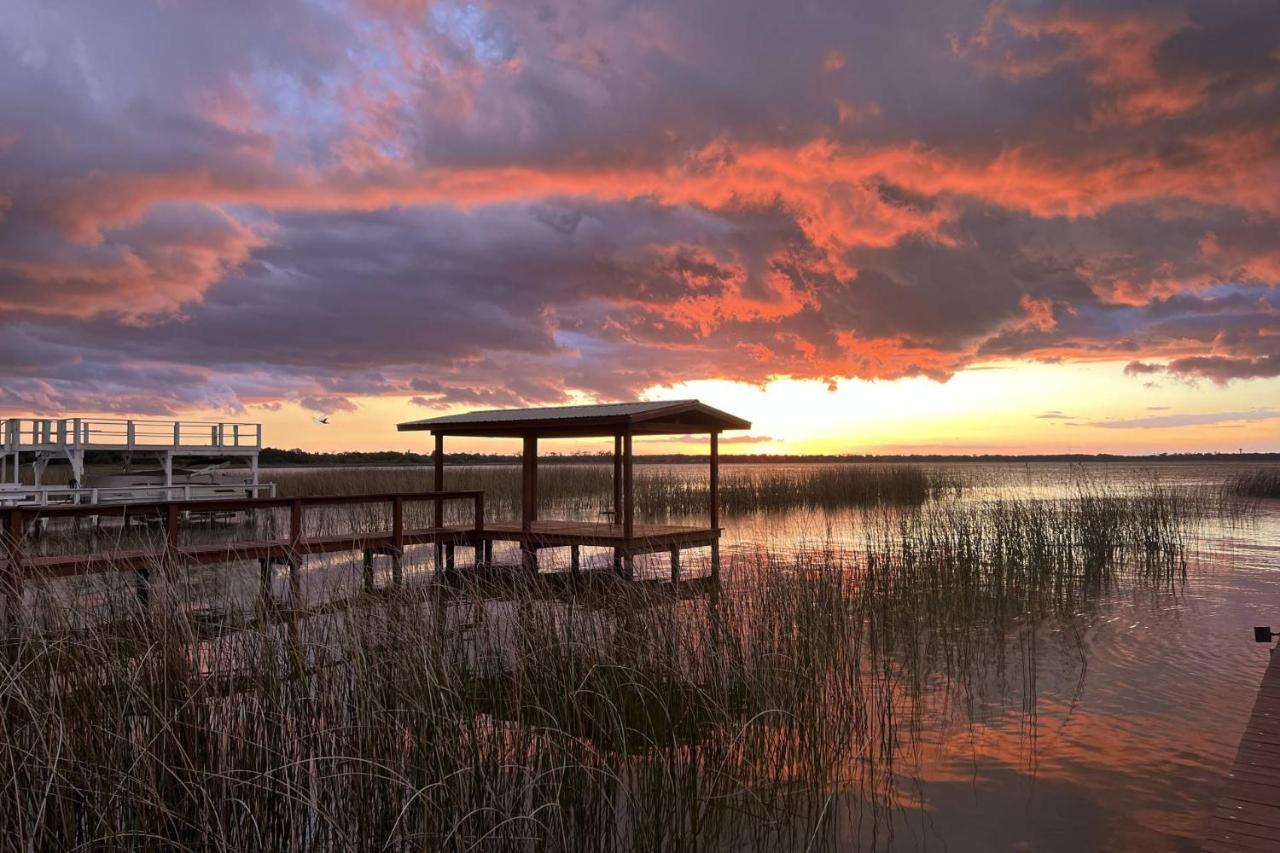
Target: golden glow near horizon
999,408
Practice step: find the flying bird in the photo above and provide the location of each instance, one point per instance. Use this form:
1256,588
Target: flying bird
322,420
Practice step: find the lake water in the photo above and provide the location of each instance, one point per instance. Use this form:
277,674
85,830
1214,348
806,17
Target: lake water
1119,731
1108,727
1123,739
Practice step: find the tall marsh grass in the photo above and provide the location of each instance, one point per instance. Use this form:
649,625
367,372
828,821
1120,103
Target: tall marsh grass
768,712
585,491
1262,483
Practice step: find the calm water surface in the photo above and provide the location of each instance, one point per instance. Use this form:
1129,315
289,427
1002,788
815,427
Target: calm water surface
1120,732
1111,728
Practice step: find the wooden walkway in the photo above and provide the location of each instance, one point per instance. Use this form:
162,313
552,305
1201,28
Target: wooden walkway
17,562
1248,815
644,537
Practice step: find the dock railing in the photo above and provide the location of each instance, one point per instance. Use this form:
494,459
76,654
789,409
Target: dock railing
28,434
17,520
44,496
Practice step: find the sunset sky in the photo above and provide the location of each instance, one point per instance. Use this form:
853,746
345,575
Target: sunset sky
867,227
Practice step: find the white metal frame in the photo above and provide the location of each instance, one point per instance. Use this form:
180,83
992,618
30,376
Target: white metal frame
43,439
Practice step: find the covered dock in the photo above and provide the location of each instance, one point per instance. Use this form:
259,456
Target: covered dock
619,530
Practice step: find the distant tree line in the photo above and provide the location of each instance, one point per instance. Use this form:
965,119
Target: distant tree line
273,456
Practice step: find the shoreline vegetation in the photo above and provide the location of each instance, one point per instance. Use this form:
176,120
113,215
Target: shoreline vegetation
278,458
783,705
585,491
1263,483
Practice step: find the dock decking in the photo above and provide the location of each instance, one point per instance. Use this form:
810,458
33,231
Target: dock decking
645,538
17,562
1248,814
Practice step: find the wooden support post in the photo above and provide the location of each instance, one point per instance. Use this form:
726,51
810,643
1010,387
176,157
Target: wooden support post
715,559
264,569
479,530
529,484
488,550
617,479
715,481
437,483
368,569
617,561
628,488
534,496
449,562
629,566
528,502
575,559
398,524
397,569
170,537
295,546
12,579
675,565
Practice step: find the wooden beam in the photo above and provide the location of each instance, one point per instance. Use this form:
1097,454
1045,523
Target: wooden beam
628,488
715,480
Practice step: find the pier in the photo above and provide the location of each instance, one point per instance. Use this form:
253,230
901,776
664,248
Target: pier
618,532
41,441
622,422
1248,814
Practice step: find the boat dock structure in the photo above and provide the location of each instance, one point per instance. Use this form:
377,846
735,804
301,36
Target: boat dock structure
38,442
405,521
620,421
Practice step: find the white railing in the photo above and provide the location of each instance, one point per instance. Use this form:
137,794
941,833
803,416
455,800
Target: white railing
58,495
98,433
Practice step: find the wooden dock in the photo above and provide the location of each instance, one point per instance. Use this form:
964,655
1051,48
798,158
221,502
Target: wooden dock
167,552
1248,814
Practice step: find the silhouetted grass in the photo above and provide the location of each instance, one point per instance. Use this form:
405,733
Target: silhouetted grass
1263,483
585,491
766,712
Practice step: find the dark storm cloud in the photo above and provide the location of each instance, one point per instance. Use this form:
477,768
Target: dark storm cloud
218,205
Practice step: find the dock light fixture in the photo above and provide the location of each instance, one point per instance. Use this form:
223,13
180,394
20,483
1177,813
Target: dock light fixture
1263,634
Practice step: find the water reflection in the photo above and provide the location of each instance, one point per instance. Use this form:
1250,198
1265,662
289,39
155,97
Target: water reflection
956,675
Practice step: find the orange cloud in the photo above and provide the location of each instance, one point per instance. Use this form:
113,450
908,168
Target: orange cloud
1117,48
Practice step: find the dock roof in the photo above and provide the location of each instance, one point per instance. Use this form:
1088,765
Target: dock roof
666,417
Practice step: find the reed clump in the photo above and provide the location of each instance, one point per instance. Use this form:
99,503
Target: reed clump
1262,483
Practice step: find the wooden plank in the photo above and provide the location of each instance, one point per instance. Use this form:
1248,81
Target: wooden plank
1247,817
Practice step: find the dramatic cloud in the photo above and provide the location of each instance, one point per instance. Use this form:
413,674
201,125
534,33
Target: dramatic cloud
214,206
